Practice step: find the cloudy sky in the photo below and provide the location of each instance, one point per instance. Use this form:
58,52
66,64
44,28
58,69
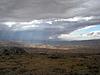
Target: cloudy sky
54,19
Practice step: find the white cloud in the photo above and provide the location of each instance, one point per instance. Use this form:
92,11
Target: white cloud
31,24
49,22
44,23
17,26
74,19
36,22
94,34
9,24
86,36
88,27
85,28
24,23
27,27
80,18
69,37
51,37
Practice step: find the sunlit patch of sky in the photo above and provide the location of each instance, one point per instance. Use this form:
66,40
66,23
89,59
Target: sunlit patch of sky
86,33
86,30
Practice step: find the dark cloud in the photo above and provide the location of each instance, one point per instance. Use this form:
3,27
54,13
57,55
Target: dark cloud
36,9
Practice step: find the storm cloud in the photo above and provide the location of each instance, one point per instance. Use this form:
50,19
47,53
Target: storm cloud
53,17
27,10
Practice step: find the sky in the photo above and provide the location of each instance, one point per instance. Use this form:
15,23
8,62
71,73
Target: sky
51,19
86,33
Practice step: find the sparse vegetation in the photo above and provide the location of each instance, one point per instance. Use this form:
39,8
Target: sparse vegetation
12,50
16,61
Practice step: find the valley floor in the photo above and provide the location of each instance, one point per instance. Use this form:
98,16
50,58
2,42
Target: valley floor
50,64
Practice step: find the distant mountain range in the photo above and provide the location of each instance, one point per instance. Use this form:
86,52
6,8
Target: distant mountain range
83,42
55,42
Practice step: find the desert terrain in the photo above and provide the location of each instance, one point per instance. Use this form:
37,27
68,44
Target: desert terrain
29,59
